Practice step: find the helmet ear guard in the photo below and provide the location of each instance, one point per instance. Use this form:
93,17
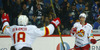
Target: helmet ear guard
22,20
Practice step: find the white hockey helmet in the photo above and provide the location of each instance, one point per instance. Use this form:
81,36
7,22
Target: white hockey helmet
22,20
82,15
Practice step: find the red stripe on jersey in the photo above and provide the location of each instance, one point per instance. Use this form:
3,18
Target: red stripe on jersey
46,31
14,37
4,28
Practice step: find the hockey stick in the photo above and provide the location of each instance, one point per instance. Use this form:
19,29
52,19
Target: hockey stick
58,26
83,45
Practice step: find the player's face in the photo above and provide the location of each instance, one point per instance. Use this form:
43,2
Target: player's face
82,19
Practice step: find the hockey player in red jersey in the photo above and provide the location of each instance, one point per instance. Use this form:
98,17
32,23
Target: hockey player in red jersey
83,33
24,35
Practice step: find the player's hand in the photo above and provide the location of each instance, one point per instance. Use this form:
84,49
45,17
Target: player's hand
73,30
56,22
93,41
5,18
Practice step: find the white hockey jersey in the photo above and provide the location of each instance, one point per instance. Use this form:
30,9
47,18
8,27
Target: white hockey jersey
84,33
25,35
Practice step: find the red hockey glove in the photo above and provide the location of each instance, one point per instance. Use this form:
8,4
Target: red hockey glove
5,18
93,41
73,30
56,22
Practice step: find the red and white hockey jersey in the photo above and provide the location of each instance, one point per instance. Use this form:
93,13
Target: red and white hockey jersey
25,35
84,33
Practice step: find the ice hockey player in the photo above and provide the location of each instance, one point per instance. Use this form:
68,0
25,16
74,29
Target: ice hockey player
24,35
83,33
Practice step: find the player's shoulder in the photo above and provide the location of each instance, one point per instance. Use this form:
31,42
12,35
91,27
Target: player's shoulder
77,22
31,26
88,24
13,26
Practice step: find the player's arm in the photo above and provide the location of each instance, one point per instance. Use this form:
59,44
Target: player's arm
90,36
73,30
48,30
5,22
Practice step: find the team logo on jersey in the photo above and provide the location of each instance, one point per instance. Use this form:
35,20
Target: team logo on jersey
81,33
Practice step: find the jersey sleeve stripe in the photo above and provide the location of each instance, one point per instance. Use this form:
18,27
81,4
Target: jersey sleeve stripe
91,36
6,26
47,32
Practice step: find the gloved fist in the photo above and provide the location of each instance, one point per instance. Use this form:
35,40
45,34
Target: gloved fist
56,22
5,18
73,30
93,41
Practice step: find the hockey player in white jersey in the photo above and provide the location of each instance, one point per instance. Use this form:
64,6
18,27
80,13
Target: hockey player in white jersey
24,35
83,33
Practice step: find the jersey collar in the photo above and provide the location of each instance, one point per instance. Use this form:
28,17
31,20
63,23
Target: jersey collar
84,24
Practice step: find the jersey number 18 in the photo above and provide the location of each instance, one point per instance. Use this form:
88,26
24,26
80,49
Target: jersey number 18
20,36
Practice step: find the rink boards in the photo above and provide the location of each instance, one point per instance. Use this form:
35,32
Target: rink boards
48,42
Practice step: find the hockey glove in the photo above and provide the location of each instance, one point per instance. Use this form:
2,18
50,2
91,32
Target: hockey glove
93,41
73,30
5,18
56,22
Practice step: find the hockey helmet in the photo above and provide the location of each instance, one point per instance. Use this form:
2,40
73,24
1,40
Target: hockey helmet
22,20
82,15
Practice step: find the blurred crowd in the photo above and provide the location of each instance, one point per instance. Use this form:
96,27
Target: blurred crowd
40,12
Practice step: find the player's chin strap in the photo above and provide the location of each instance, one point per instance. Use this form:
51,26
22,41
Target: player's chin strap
86,44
